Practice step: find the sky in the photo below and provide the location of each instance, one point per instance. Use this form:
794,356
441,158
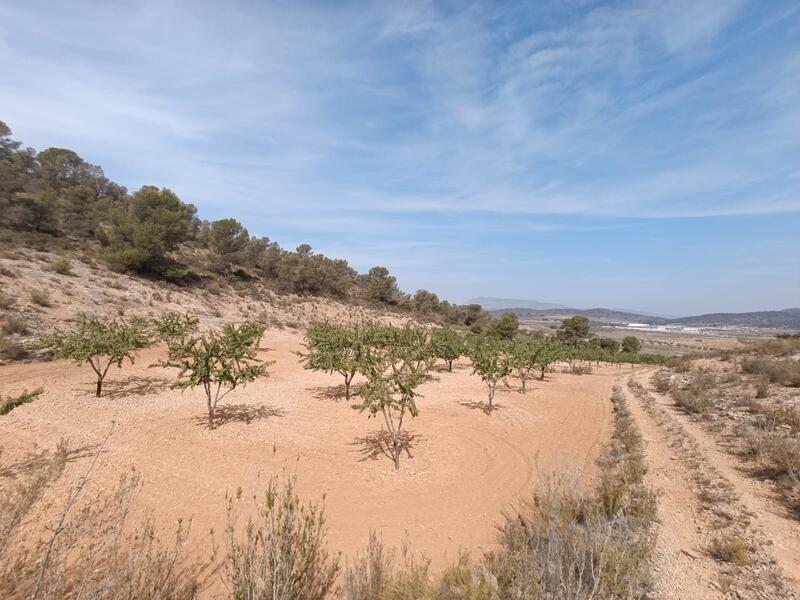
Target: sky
637,155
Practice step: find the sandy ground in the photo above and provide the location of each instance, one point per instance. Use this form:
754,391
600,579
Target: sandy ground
463,467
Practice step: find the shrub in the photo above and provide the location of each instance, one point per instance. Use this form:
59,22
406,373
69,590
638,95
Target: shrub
282,555
41,298
13,325
783,372
762,388
98,343
12,402
693,401
62,265
580,368
11,350
730,548
380,574
662,381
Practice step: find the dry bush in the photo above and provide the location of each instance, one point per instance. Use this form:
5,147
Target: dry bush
89,551
14,325
693,401
41,298
568,545
6,301
662,380
62,265
580,369
783,372
762,388
380,574
11,350
731,548
282,555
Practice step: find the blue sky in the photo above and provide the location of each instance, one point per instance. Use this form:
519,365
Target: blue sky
624,154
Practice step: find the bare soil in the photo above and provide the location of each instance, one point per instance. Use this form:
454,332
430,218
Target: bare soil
462,467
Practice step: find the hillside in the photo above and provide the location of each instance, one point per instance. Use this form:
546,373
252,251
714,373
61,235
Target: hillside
492,303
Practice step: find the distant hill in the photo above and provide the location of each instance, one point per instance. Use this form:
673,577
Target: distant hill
779,319
788,318
491,303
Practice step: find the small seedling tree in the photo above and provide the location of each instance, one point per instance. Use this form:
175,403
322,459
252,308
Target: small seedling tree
491,360
218,361
336,349
447,345
393,370
98,342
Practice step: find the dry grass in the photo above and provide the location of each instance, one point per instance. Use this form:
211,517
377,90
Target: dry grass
281,555
41,298
784,371
61,265
731,548
14,325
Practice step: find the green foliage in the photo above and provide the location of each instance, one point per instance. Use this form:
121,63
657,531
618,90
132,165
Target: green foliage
609,345
574,331
146,227
219,362
491,360
631,344
227,239
525,358
12,402
98,342
173,327
447,345
506,327
382,287
339,349
395,363
282,554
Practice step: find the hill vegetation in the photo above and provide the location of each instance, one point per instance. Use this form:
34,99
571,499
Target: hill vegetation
55,199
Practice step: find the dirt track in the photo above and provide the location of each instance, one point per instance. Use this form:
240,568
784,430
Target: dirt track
684,461
464,466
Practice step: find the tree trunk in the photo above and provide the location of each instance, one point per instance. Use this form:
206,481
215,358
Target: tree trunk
523,386
210,414
99,387
449,366
396,447
541,376
490,406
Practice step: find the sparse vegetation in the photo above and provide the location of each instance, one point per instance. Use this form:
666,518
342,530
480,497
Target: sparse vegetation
491,361
12,402
62,265
281,555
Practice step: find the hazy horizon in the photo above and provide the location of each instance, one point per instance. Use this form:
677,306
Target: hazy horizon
609,154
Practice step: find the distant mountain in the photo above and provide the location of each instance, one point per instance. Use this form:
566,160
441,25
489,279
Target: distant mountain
779,319
599,315
491,303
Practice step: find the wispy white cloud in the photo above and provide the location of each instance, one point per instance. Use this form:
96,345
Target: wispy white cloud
410,121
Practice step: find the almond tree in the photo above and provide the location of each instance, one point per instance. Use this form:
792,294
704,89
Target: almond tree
394,370
447,345
218,361
491,360
99,343
550,353
524,357
336,349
